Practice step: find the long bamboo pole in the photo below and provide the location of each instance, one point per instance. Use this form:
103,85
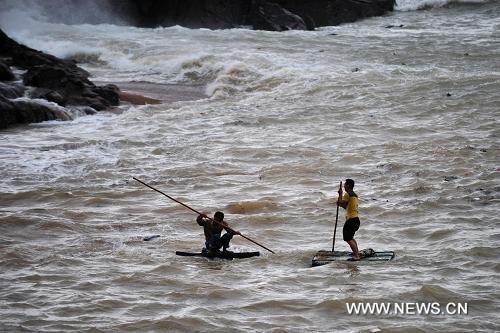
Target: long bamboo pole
211,219
336,218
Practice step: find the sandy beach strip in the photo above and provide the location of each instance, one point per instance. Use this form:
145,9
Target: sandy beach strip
142,93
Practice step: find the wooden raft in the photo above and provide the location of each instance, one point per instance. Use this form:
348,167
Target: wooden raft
325,257
219,254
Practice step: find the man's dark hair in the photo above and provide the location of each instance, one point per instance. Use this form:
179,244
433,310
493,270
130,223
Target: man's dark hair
219,215
350,182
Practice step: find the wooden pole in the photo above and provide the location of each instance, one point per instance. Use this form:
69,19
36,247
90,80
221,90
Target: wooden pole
336,219
211,219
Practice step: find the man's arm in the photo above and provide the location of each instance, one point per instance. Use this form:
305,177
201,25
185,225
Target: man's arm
200,220
341,202
229,229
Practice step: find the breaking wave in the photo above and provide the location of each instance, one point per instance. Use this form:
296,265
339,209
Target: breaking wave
409,5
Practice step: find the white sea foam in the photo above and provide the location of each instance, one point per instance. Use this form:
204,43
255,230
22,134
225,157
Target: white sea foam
62,113
409,5
410,113
23,13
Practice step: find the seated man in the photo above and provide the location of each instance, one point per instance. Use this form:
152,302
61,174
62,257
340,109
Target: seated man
213,229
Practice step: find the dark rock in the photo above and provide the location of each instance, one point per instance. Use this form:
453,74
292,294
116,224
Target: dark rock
25,57
99,98
30,112
221,14
335,12
309,21
8,113
88,110
56,80
213,14
97,103
11,90
21,112
273,17
71,85
57,77
5,72
49,95
109,92
390,26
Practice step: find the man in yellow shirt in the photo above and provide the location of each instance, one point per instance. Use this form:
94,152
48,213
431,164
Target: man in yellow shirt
349,201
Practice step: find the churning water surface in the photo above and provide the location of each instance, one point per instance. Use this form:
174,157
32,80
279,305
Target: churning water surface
410,112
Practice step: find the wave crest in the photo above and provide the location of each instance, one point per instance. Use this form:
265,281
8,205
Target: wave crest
410,5
247,207
92,58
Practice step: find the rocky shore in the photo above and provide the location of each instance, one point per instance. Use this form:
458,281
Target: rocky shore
41,85
272,15
35,86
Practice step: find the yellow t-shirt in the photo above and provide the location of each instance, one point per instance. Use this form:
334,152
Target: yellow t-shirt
352,205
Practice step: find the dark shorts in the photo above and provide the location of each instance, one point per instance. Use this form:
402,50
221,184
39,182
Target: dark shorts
350,228
216,241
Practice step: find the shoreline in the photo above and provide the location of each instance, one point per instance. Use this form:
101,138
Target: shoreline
63,84
142,92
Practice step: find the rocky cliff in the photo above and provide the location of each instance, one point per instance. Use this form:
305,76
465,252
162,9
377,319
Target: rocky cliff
275,15
59,82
